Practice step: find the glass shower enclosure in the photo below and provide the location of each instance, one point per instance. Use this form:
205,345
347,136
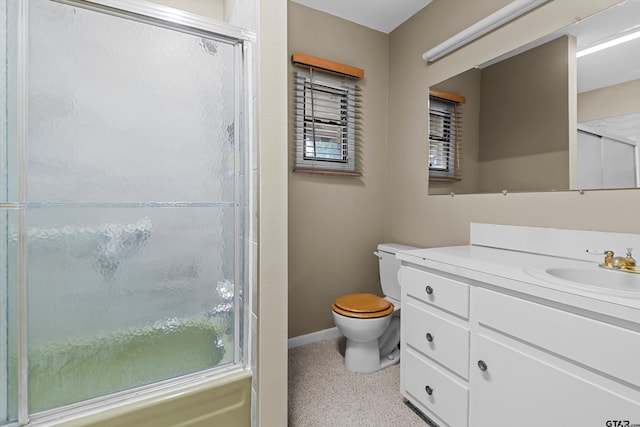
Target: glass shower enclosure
123,199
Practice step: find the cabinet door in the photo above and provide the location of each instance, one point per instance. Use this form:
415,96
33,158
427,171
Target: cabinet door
518,389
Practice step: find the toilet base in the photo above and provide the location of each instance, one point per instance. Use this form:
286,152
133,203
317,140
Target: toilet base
365,357
390,359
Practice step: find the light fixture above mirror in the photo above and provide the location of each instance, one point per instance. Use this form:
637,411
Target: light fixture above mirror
500,17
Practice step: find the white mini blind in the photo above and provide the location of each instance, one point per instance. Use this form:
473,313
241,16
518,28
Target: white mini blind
326,111
445,137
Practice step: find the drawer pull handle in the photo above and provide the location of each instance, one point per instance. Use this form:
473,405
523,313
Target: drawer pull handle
482,365
429,337
429,390
428,290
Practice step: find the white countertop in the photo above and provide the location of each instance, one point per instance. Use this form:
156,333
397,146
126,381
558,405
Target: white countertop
516,271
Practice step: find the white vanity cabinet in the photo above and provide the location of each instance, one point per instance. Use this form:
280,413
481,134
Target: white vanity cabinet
539,365
479,355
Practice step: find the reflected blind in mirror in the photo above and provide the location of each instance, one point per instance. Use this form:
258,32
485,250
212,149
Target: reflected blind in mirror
445,137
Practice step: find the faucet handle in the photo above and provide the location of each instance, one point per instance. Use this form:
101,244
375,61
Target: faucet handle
608,256
631,262
598,251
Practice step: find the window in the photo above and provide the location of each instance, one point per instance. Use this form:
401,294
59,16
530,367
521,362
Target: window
325,123
445,148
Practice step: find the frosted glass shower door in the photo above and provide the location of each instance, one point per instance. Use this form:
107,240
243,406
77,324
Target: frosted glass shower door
131,205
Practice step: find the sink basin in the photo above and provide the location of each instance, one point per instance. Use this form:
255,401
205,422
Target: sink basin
593,278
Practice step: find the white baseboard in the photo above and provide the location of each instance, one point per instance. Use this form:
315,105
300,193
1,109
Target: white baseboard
314,337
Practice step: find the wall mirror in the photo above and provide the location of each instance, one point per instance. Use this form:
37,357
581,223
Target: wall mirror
542,118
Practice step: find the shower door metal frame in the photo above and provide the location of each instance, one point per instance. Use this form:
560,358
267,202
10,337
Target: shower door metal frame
178,20
4,316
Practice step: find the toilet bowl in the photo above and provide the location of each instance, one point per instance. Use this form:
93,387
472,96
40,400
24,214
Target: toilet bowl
363,319
371,324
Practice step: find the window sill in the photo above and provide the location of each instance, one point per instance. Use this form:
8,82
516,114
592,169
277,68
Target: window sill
434,179
325,172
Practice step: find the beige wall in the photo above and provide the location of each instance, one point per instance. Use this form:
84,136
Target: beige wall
335,223
272,227
623,98
418,219
524,121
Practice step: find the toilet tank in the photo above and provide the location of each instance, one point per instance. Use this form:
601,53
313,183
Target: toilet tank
389,267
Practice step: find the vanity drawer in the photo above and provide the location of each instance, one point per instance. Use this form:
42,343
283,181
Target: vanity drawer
438,291
436,337
446,398
605,347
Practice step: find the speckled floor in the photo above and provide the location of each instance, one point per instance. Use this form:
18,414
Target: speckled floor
322,393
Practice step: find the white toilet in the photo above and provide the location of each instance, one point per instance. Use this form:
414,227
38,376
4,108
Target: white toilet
370,323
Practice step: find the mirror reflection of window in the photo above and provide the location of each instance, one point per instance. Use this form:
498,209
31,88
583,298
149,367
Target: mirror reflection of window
442,139
445,145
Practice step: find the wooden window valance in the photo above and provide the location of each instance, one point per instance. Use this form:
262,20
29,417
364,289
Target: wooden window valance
325,64
448,96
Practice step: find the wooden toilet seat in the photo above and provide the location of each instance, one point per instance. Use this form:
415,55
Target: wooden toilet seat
363,306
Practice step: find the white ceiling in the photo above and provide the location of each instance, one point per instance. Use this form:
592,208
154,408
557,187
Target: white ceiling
381,15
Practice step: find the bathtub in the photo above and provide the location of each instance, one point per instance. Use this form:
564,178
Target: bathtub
223,401
62,373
